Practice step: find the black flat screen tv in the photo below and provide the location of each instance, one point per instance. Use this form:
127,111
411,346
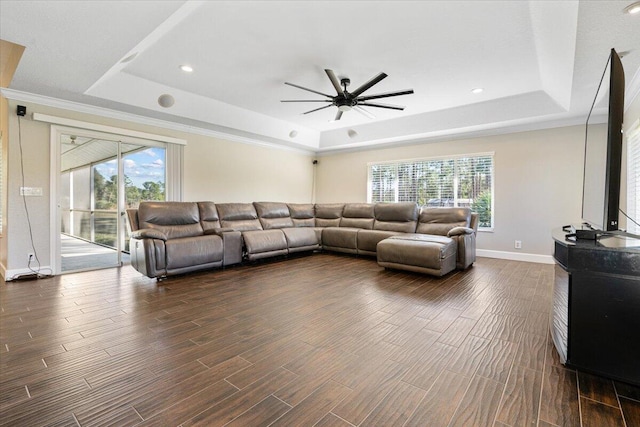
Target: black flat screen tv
603,151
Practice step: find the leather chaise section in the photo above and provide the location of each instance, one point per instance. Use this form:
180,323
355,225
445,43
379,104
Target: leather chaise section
430,254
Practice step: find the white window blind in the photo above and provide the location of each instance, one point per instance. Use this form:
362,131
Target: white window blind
464,181
633,178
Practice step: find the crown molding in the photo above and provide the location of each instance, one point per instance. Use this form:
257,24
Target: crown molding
16,95
456,134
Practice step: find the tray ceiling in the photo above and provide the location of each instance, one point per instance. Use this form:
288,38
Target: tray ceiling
538,62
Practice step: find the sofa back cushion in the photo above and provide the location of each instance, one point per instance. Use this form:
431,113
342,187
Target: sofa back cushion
441,220
209,218
358,215
328,214
302,214
273,215
174,219
239,216
402,217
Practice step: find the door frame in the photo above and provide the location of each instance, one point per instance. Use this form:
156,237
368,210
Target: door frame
55,181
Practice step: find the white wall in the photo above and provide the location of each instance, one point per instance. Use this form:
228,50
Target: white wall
631,117
538,182
224,171
214,169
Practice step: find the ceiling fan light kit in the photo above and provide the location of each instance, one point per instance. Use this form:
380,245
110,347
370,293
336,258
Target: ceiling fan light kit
347,101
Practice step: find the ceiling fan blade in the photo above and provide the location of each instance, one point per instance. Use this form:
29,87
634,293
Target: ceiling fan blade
368,84
389,106
386,94
364,112
317,109
307,89
305,100
334,81
338,116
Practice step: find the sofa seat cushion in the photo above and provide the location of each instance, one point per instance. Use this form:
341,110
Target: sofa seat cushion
418,252
340,239
301,239
367,240
190,251
260,241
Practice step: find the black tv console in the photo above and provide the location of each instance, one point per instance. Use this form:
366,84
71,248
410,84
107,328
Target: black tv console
595,318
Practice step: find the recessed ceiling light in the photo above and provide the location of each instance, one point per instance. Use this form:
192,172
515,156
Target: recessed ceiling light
186,68
293,133
352,133
633,8
477,90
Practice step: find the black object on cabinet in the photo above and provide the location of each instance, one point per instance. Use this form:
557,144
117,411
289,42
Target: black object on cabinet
595,319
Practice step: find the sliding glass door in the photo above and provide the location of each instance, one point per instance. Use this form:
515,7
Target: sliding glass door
100,178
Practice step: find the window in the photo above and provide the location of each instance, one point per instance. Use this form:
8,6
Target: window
633,178
465,181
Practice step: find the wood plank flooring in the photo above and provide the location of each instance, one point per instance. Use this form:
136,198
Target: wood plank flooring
324,340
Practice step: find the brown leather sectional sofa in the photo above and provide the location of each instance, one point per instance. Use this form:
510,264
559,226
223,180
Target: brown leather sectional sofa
169,238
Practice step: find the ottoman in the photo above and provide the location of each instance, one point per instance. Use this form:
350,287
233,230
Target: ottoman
422,253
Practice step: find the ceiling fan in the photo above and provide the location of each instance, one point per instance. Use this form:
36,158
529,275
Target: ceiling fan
345,100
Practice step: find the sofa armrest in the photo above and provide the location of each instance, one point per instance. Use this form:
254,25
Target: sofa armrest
232,245
466,255
148,256
148,233
459,231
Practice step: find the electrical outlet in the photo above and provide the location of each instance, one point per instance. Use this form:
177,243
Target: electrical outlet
518,244
31,191
31,257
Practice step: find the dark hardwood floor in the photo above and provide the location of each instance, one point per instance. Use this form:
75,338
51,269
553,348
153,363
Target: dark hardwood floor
324,340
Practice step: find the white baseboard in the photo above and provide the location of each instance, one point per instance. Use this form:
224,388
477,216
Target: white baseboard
9,275
515,256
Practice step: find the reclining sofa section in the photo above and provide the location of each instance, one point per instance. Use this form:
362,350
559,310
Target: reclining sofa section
169,238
